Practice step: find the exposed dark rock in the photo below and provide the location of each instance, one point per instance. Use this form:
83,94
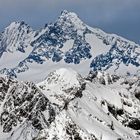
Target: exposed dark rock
134,124
115,111
24,102
137,94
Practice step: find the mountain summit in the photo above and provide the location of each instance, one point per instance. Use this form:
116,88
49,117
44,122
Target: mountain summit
68,19
63,101
68,42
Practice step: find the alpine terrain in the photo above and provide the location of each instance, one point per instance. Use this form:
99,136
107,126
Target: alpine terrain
68,42
68,81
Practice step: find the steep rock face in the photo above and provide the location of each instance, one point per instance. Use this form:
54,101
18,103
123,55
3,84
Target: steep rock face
67,106
63,128
106,110
16,37
25,111
22,109
121,54
14,46
66,42
50,44
102,77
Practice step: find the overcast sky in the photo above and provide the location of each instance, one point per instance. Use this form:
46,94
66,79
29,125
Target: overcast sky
114,16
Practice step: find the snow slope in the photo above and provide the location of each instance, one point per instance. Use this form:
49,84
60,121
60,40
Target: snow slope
68,103
68,42
66,106
106,109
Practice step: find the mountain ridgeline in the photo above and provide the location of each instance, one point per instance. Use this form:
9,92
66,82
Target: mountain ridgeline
66,106
68,81
68,42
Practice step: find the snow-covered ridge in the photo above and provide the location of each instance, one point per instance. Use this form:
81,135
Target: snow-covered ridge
105,108
62,85
68,42
68,19
16,36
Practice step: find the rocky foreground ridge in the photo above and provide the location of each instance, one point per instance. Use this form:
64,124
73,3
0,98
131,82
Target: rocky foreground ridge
66,106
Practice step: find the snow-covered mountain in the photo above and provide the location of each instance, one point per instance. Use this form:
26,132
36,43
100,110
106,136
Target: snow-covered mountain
68,42
66,106
68,103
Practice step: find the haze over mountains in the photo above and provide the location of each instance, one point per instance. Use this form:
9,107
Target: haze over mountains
68,81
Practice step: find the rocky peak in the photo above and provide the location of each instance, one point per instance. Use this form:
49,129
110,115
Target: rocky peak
67,84
22,106
68,39
102,77
17,26
16,36
61,107
65,76
70,19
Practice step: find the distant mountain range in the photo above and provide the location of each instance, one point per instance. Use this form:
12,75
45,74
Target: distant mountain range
68,42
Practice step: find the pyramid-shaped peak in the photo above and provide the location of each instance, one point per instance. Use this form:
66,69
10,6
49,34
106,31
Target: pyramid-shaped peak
67,13
63,85
71,19
64,12
16,25
64,76
68,75
15,36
